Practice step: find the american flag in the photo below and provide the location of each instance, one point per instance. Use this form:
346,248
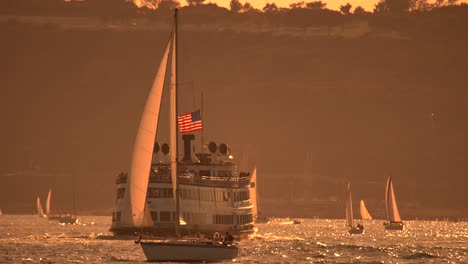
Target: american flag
190,122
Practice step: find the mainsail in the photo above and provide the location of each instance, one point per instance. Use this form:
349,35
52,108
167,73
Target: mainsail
49,196
253,193
137,185
349,207
364,212
40,212
390,203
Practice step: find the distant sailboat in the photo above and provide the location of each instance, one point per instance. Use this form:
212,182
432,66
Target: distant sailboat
253,191
393,216
64,219
40,212
364,212
48,211
1,213
359,229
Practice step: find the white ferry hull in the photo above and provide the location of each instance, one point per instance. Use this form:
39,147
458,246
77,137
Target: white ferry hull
190,252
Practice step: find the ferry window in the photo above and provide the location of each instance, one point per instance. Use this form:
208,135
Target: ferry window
204,173
165,216
120,193
154,216
244,219
188,194
159,193
223,219
241,196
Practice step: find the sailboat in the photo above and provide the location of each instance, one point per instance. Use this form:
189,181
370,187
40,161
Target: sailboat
354,230
61,218
48,211
393,216
365,215
1,213
40,212
187,250
257,214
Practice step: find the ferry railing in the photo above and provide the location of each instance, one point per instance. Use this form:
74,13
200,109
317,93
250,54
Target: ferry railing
211,181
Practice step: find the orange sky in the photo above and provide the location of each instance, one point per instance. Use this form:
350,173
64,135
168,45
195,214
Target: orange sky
332,4
368,5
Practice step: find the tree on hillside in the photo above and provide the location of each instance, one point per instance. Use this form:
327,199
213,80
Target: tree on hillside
392,6
359,10
346,9
168,5
297,5
153,4
316,5
421,5
195,2
247,7
235,6
268,8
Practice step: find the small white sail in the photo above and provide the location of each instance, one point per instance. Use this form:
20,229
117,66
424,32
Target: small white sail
137,184
1,213
253,193
364,212
390,203
49,196
349,207
40,212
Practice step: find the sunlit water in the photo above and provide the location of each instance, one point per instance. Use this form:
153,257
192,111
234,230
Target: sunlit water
30,239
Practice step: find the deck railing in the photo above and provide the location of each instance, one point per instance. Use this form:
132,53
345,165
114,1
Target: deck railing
211,181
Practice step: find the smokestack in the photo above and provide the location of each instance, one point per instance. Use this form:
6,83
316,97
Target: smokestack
188,146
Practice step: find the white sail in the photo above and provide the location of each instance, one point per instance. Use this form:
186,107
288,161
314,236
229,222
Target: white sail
253,193
364,212
137,184
390,203
49,196
349,207
173,119
1,213
40,212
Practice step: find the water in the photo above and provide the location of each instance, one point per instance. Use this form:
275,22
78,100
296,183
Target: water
30,239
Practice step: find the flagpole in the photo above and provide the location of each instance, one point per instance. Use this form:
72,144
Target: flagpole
203,127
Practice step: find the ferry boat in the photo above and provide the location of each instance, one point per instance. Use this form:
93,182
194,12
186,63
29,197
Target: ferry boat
213,196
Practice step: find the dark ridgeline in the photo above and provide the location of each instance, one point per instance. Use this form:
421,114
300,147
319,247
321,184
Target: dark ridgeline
391,100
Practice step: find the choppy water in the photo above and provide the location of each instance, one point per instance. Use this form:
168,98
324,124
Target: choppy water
30,239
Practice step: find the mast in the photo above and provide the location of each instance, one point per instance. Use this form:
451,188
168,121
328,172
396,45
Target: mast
175,59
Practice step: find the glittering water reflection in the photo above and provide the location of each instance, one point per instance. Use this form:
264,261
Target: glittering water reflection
28,239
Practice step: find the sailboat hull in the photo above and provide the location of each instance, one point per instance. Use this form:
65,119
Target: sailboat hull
188,252
394,226
356,231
